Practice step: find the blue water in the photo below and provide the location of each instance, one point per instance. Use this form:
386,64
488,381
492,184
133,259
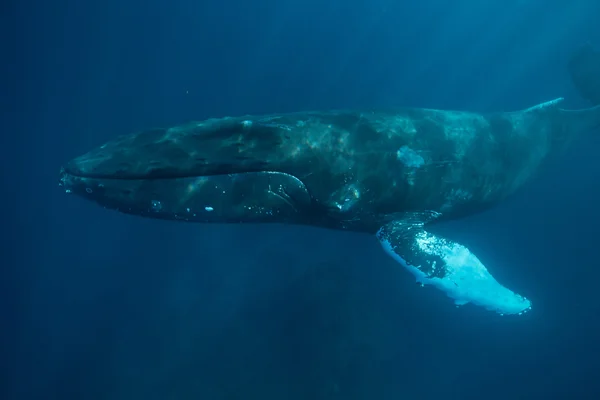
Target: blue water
99,305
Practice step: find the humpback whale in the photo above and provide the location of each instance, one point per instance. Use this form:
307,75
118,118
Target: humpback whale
388,173
584,68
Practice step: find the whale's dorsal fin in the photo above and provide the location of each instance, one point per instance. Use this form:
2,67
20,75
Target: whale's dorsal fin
547,105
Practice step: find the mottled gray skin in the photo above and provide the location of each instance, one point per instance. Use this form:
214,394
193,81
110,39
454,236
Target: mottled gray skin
352,170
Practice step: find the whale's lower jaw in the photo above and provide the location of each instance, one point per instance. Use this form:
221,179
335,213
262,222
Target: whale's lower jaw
461,276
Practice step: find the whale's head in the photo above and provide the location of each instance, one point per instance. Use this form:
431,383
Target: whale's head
190,174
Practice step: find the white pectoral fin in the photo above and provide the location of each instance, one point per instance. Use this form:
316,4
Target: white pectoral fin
449,267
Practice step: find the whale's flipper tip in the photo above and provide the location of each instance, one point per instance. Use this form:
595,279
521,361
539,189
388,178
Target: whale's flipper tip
449,267
584,68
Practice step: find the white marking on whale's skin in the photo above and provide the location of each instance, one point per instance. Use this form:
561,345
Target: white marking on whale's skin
409,157
466,280
456,196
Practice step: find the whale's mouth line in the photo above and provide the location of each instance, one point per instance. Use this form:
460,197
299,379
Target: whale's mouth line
149,176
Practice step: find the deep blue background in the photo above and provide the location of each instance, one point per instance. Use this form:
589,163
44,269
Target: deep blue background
99,305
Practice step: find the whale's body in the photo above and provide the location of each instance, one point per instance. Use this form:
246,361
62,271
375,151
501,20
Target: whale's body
388,173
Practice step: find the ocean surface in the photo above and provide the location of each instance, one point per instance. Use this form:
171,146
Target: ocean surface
101,305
